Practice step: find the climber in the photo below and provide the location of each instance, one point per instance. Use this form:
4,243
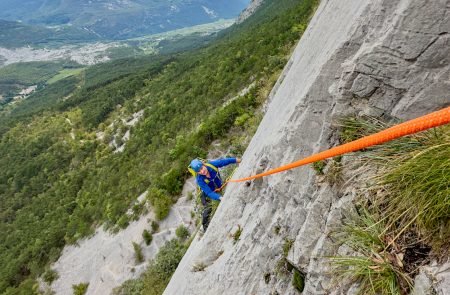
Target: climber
208,179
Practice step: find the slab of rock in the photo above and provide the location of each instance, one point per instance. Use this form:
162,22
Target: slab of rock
380,58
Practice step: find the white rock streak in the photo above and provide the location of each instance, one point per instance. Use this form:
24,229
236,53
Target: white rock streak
209,12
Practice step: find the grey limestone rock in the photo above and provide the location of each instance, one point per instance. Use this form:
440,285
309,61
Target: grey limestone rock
251,8
382,58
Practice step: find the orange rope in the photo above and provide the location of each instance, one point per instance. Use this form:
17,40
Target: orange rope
431,120
217,190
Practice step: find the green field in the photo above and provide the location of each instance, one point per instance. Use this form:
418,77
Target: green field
15,77
64,74
29,73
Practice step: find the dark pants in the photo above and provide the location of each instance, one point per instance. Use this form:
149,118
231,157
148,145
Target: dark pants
206,214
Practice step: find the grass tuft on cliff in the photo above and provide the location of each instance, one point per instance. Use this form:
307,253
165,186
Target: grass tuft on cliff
412,183
377,265
404,216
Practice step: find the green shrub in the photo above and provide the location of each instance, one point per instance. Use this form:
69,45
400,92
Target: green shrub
138,209
50,275
277,229
147,237
123,221
182,232
283,267
172,181
240,121
267,277
198,267
287,245
298,280
160,270
162,207
155,226
130,287
237,234
119,141
80,289
139,257
319,166
160,201
107,137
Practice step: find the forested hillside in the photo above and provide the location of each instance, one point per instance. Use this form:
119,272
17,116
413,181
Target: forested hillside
15,34
61,177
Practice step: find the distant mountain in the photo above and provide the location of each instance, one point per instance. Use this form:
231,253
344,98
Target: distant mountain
15,34
120,19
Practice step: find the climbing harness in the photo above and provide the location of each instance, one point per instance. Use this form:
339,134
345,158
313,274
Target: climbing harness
226,181
219,189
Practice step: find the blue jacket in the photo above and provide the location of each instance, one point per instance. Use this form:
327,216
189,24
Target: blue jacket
214,181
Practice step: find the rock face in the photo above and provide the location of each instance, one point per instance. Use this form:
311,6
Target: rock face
251,8
381,58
